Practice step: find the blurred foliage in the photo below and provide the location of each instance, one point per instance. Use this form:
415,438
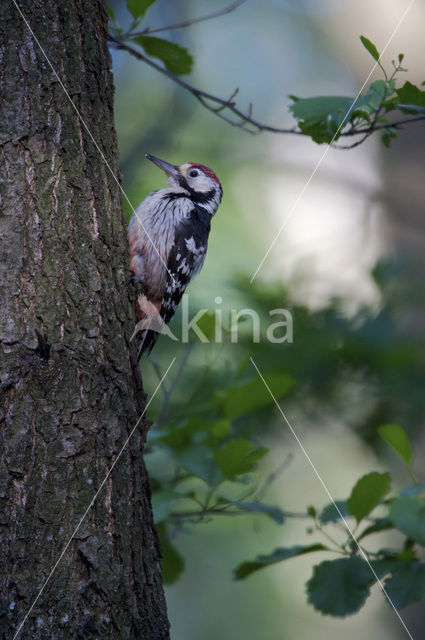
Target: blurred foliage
204,448
325,118
175,58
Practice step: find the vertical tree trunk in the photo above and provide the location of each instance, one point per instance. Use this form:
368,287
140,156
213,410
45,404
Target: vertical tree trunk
70,387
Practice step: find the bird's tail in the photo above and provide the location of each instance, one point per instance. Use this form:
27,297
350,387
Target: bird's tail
146,340
149,325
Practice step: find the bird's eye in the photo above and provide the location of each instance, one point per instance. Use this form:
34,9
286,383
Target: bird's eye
193,173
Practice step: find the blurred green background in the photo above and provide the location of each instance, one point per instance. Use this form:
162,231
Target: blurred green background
349,265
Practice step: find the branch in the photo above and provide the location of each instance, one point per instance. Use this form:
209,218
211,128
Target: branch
243,120
387,125
213,511
212,103
188,23
365,133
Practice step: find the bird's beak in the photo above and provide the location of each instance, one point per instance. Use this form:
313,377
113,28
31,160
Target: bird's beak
170,169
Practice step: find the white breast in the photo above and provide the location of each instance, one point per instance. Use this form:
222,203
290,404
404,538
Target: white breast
151,236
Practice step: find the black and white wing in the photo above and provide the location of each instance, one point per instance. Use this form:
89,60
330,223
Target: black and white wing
185,260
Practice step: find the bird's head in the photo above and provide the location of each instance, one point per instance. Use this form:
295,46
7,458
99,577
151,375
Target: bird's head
197,181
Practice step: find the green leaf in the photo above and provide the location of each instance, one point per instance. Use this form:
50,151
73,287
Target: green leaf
382,524
370,47
330,514
138,8
176,59
386,565
179,438
408,553
237,457
388,137
408,515
406,585
412,109
317,108
367,493
411,94
397,438
220,429
412,98
195,430
324,117
172,562
278,555
274,513
340,587
240,400
376,96
320,117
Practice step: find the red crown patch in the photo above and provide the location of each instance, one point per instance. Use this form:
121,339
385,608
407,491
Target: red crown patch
205,169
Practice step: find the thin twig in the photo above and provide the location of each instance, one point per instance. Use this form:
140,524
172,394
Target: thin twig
225,512
245,121
318,527
387,125
354,144
208,100
188,23
376,115
273,476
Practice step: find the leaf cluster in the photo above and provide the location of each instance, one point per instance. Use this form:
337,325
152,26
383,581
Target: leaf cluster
175,58
206,445
326,118
204,451
203,454
341,586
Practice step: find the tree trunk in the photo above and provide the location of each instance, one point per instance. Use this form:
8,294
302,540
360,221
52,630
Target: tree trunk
70,387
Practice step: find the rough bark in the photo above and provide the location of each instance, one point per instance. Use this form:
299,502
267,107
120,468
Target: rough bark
70,387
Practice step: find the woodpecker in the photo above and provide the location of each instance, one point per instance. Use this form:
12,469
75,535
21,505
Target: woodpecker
168,237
